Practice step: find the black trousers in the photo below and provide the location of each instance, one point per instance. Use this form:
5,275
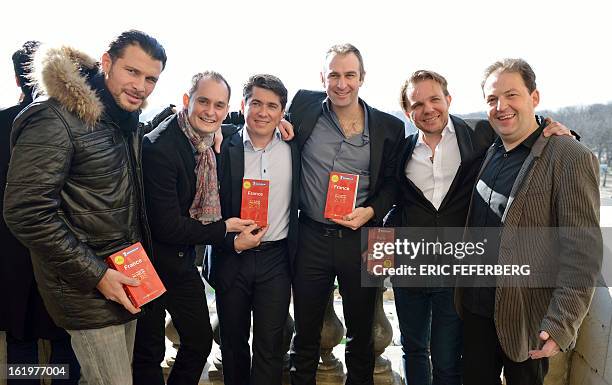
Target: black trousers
483,357
186,303
325,252
263,286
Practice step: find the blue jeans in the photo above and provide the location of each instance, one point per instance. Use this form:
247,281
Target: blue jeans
428,324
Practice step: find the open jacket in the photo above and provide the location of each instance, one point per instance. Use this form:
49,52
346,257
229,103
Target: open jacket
225,261
386,136
557,189
170,186
474,137
74,190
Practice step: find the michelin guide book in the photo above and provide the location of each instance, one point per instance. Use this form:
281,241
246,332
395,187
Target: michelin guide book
341,195
377,238
254,205
134,262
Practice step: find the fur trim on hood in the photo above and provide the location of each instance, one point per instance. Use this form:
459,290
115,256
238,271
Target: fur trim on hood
57,73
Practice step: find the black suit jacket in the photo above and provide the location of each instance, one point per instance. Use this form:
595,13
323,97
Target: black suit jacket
474,137
230,164
386,135
170,186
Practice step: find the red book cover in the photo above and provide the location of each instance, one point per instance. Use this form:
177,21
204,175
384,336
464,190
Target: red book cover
380,235
254,205
134,262
341,195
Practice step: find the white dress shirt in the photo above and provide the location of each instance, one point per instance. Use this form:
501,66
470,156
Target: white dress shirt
271,163
434,178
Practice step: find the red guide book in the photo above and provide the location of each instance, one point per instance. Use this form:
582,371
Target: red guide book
254,205
341,195
380,235
134,262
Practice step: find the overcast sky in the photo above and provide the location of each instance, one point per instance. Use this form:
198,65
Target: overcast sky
567,45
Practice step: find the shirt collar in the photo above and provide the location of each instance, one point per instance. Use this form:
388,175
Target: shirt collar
531,139
327,105
450,125
330,114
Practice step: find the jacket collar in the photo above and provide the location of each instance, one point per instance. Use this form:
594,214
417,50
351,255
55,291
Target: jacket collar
464,140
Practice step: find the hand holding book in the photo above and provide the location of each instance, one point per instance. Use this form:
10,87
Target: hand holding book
383,235
236,225
359,217
249,237
111,286
140,283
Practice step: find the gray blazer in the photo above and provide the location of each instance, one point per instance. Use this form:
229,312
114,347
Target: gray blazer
557,187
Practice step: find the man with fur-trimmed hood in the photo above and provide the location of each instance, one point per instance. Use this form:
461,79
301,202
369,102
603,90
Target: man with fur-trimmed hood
74,192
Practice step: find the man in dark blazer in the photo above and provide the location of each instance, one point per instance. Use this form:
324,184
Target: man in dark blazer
542,196
258,280
174,176
23,314
436,173
337,131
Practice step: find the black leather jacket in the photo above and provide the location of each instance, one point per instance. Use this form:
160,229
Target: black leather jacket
74,196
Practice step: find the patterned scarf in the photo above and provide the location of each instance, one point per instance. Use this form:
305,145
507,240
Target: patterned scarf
206,206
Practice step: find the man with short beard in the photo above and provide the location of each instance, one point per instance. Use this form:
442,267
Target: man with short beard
184,210
74,192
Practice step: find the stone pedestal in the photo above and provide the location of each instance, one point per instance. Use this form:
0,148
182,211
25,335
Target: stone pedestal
558,369
382,332
330,368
